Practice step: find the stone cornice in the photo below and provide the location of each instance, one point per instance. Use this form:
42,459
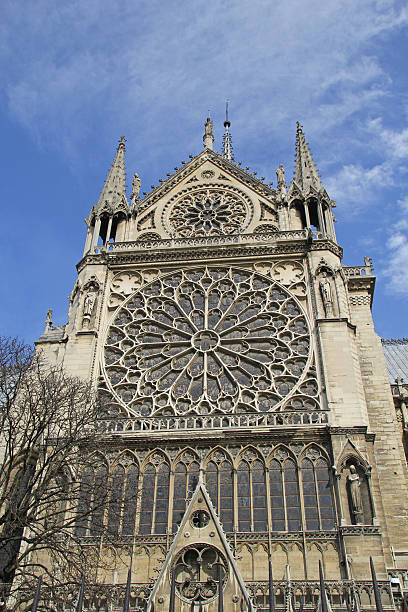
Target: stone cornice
335,430
214,437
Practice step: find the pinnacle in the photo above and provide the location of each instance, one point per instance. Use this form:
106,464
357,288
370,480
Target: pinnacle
114,189
306,173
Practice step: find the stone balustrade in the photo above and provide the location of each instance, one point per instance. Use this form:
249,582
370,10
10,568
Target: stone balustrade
199,241
230,421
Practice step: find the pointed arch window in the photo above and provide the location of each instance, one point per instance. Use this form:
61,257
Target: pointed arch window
185,482
98,504
317,496
284,496
130,500
84,502
251,493
155,498
115,501
219,483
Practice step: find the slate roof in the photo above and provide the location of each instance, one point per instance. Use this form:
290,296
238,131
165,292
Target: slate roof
396,357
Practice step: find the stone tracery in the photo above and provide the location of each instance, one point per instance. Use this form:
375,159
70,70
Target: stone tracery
208,212
207,340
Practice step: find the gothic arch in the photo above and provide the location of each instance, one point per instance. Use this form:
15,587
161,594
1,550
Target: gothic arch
181,456
246,450
278,454
211,456
156,452
316,447
123,455
323,266
97,453
351,452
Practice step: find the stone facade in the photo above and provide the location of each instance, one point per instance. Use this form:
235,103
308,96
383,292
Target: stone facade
247,396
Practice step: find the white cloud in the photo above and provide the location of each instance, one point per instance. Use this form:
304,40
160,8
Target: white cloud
153,60
396,269
395,141
356,187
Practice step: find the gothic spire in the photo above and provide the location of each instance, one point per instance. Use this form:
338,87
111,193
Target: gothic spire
306,174
226,141
114,190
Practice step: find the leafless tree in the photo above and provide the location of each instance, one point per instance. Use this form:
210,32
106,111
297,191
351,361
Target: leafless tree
47,443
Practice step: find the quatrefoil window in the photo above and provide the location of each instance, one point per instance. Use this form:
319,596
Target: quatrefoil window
200,519
207,340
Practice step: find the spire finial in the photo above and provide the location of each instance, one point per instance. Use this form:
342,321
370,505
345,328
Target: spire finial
226,141
208,138
226,122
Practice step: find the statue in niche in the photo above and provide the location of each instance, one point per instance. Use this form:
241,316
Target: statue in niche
280,174
326,293
89,305
354,491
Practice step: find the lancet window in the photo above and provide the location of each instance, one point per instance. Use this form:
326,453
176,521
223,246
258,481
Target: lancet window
284,496
219,481
123,500
185,482
317,496
251,496
155,498
92,501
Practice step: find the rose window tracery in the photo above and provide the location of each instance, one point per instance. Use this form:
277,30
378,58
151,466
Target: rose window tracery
208,212
207,340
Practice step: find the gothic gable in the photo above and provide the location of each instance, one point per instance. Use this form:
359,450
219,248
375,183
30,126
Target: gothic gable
199,558
208,196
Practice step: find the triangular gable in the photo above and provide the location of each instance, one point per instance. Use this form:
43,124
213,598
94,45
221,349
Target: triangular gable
208,169
199,532
350,451
188,168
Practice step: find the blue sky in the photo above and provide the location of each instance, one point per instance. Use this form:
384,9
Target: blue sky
77,75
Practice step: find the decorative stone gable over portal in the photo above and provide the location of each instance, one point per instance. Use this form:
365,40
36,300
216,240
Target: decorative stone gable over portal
247,402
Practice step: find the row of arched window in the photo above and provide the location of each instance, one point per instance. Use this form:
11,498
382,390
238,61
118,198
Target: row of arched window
254,497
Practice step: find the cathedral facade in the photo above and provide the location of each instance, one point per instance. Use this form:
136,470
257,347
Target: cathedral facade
246,395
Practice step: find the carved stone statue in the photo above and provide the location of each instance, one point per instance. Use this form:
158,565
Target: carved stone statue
208,138
326,293
356,505
89,303
48,320
208,127
136,183
280,174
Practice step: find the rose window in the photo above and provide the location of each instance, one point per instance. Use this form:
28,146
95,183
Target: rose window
208,212
207,340
197,573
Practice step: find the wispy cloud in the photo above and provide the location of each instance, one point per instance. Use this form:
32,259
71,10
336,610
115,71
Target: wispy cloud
139,64
356,186
396,269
